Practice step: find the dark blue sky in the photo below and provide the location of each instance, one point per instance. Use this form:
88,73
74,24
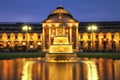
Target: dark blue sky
38,10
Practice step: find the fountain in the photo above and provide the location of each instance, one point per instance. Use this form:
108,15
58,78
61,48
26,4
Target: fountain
61,50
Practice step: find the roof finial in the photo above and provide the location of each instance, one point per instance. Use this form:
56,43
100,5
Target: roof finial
60,7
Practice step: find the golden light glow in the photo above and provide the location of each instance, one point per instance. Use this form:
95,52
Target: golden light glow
27,70
24,43
21,39
57,24
76,24
39,43
26,28
61,40
34,37
60,11
92,28
43,24
29,28
60,72
61,45
31,46
92,70
49,24
60,49
70,24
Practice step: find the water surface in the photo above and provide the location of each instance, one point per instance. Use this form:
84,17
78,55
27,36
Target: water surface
37,69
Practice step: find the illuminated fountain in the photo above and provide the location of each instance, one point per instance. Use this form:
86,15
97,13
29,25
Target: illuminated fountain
60,51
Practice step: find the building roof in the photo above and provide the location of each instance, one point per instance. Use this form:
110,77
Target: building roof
59,10
111,26
60,15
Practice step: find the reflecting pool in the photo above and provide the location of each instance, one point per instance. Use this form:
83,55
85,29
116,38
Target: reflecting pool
37,69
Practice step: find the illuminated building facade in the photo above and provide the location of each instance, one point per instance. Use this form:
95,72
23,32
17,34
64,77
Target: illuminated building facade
105,36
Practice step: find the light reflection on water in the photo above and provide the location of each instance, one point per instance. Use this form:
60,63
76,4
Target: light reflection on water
37,69
92,73
27,70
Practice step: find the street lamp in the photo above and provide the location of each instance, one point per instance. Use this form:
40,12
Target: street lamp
92,29
26,29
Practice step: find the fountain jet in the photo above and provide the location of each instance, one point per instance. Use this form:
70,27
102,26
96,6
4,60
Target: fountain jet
61,50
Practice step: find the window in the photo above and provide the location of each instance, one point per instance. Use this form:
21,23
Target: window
112,36
8,36
81,36
104,36
24,37
97,44
104,44
81,43
89,44
113,45
0,36
119,35
96,36
38,36
89,36
16,36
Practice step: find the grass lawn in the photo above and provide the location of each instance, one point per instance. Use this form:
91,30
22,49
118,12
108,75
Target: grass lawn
4,56
99,55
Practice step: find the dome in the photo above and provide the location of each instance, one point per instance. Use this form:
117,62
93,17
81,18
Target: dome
60,15
60,10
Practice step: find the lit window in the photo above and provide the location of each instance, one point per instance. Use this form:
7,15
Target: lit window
31,46
39,43
24,43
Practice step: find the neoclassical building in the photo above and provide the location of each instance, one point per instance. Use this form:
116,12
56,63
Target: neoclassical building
60,22
83,36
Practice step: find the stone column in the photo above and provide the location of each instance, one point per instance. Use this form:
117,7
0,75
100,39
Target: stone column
49,36
77,38
56,31
70,34
63,30
43,40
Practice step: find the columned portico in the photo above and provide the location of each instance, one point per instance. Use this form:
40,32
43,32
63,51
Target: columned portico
60,23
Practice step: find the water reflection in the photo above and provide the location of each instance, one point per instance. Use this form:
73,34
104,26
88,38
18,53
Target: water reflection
92,73
27,70
36,69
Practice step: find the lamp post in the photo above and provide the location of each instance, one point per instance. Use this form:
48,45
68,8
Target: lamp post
26,29
92,29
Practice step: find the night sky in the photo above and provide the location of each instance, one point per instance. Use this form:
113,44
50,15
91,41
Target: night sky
38,10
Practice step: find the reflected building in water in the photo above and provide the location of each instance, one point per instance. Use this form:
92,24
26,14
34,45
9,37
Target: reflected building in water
87,69
39,36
